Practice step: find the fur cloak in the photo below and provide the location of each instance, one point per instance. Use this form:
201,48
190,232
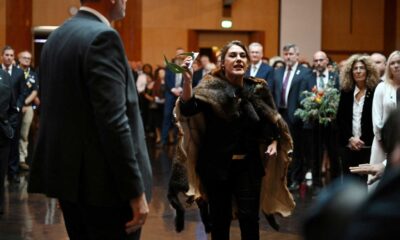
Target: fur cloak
216,91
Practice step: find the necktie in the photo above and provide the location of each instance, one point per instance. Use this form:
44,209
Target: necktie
284,87
253,70
321,81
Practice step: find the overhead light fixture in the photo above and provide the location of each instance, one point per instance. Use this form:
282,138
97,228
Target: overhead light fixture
226,24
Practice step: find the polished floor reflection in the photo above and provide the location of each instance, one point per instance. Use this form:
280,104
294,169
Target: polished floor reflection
37,217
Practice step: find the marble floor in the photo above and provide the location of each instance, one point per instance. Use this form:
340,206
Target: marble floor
36,217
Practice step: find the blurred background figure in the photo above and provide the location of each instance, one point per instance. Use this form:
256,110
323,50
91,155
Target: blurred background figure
345,211
8,111
31,88
154,95
258,68
173,89
202,71
379,61
385,101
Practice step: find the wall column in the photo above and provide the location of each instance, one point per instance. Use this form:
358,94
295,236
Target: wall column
130,29
301,24
18,21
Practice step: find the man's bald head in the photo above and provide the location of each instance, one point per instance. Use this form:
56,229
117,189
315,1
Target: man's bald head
379,61
320,61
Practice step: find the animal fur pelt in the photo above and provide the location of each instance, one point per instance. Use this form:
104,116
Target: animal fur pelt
258,104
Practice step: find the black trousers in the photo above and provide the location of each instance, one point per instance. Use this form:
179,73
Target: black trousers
4,152
243,188
13,160
87,222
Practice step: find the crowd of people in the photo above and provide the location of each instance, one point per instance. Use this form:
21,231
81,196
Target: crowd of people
245,101
19,90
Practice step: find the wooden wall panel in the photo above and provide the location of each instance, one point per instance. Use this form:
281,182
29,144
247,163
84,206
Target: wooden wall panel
130,29
220,38
350,26
18,24
390,26
2,23
398,25
166,23
51,12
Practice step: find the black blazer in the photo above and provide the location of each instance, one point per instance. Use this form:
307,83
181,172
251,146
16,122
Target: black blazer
197,76
19,86
301,74
264,72
8,110
345,118
91,144
333,79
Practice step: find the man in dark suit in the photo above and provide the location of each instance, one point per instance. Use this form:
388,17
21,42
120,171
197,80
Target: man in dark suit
205,69
173,89
286,86
8,112
20,93
318,136
257,68
91,152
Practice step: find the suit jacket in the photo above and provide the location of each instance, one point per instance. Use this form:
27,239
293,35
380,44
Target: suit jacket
91,146
170,98
264,72
333,80
197,76
19,86
7,106
345,117
301,75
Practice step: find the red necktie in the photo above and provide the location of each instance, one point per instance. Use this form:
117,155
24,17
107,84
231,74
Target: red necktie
284,87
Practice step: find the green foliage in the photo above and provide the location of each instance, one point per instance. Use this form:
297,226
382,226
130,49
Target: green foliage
319,106
175,68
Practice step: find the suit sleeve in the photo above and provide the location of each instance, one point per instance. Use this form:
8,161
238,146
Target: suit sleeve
345,131
107,86
22,92
377,110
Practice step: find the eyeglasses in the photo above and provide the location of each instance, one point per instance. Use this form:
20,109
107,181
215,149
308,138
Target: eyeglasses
26,58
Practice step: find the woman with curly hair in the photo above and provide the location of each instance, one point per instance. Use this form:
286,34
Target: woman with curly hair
358,81
385,101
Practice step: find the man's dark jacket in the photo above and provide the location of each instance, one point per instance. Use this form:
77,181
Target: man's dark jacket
91,145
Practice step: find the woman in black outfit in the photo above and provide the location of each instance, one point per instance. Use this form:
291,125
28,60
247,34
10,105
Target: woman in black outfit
238,114
358,81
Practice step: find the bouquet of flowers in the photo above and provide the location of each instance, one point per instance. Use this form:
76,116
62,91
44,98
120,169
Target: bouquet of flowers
319,105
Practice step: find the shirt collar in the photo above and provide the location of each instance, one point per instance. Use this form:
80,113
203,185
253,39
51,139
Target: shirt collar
356,91
294,67
9,69
257,65
96,13
326,73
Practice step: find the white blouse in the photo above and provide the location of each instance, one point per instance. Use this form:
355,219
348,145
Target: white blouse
357,113
383,104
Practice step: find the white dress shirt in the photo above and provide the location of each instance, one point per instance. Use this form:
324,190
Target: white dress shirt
97,14
292,72
357,113
254,68
384,102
